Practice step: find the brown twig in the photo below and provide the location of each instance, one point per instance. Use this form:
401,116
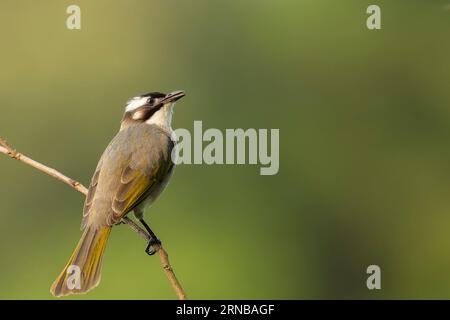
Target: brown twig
163,256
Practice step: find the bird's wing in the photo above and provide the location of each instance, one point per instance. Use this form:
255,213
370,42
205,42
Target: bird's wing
128,179
136,183
90,196
144,172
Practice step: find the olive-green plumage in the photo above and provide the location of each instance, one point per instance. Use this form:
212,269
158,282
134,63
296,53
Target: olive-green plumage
133,170
131,173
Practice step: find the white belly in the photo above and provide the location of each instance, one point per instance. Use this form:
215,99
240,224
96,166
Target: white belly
139,210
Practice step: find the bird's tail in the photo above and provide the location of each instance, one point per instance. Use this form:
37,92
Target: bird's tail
82,272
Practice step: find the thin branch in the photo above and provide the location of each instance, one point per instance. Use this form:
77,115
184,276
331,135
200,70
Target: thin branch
163,256
7,149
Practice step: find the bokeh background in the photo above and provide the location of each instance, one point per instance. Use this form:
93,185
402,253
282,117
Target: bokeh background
364,144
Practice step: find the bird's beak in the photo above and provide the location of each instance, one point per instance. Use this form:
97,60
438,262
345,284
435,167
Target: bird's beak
173,96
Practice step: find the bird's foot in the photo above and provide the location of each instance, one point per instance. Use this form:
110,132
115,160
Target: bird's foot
150,250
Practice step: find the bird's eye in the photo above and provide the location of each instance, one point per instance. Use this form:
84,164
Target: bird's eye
151,100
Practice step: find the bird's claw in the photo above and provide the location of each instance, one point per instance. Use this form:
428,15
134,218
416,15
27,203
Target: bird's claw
150,250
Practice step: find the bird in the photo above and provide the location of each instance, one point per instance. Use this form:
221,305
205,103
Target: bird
132,172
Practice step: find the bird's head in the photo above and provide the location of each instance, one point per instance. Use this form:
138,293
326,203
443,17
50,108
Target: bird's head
152,108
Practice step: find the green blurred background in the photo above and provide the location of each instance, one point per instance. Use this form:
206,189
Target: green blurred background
364,157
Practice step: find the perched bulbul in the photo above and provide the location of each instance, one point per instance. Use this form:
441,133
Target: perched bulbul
133,170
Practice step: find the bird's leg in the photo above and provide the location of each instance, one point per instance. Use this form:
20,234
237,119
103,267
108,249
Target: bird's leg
154,239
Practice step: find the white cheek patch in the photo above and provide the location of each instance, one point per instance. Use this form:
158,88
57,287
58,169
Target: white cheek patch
135,103
139,114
